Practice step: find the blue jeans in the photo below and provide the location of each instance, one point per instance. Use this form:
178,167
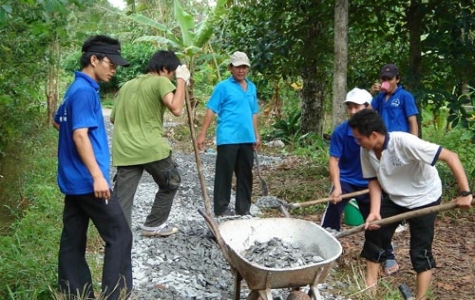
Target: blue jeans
74,276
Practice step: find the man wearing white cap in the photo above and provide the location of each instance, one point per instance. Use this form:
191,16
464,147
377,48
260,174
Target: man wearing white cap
234,101
344,164
345,169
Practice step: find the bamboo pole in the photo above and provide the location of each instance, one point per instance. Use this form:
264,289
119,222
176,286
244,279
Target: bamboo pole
197,154
327,199
404,216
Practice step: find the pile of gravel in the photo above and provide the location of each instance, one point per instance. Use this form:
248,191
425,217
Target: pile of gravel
188,264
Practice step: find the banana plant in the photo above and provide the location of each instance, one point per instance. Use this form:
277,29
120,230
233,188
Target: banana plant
193,38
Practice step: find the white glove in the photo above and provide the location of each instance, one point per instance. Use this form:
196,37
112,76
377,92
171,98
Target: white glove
183,73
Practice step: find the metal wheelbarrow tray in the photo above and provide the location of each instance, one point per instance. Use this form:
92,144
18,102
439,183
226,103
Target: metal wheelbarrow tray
239,235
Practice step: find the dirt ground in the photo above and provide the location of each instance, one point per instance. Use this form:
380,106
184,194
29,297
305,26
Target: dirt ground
454,244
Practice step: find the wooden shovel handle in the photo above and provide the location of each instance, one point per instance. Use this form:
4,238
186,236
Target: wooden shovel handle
327,199
196,150
404,216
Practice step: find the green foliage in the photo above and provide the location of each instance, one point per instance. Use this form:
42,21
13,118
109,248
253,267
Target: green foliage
205,79
28,29
461,112
28,256
192,39
313,147
458,140
286,129
258,28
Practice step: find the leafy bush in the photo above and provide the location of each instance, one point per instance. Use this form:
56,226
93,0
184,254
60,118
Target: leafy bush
286,129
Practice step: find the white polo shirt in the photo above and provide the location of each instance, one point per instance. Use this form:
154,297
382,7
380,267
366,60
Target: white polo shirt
406,169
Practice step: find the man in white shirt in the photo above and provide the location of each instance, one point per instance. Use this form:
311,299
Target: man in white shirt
402,165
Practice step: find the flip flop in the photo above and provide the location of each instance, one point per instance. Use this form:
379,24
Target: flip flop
390,267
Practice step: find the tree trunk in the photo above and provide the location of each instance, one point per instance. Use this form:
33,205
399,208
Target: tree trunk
414,16
312,95
340,64
52,84
313,88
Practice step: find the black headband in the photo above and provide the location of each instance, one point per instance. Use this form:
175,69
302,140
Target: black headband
111,51
105,49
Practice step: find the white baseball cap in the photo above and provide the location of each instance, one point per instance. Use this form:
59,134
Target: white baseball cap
358,96
239,59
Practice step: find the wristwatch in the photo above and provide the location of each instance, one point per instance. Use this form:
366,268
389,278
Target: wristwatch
464,193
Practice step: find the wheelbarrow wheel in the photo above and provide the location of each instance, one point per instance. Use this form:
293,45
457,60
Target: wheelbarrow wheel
253,295
298,295
295,295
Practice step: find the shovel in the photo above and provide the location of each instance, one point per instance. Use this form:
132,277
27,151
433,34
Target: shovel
327,199
283,203
404,216
197,155
264,189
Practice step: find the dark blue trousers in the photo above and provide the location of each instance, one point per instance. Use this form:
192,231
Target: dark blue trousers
238,159
333,212
74,276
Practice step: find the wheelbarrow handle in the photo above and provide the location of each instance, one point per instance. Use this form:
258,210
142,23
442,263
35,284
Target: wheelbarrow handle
215,230
327,199
404,216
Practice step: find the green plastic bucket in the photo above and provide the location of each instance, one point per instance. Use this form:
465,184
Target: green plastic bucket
352,214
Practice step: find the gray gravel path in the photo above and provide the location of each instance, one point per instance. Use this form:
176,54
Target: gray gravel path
189,264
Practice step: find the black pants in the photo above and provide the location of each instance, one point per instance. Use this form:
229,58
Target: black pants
74,276
238,159
421,230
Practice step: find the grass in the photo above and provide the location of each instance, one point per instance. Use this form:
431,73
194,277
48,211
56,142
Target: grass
28,253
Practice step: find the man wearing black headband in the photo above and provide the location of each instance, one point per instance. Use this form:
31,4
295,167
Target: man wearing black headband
83,176
138,142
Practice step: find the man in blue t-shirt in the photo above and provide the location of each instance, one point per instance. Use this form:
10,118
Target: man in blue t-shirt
234,101
83,176
344,164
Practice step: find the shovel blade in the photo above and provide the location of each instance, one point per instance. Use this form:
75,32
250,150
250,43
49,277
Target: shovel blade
265,190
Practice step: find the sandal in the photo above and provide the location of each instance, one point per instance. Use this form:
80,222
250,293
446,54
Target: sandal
390,267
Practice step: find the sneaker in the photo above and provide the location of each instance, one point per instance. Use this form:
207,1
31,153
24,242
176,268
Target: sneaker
164,231
390,267
227,213
401,227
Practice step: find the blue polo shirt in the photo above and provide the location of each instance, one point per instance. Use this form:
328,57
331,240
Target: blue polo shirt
343,145
394,112
81,108
235,109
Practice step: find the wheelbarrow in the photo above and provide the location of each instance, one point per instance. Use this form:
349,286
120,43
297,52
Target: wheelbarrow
235,236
